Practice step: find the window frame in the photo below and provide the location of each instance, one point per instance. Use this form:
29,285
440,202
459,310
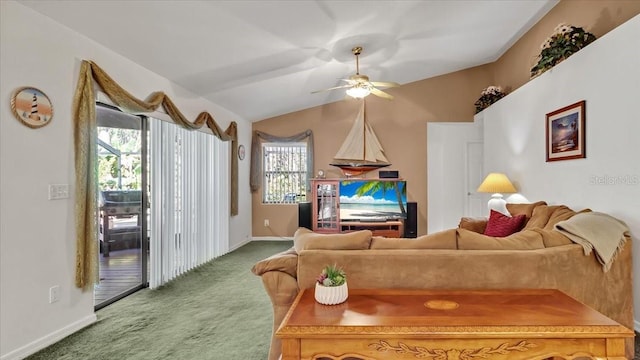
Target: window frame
301,173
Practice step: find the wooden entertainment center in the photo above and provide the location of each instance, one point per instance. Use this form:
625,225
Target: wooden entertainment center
325,199
389,228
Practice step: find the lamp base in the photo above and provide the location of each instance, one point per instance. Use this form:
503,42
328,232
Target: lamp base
497,203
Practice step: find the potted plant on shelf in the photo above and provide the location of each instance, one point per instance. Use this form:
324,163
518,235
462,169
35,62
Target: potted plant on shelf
488,96
331,286
564,42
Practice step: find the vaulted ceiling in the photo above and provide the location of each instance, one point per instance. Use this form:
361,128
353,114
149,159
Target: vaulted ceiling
261,59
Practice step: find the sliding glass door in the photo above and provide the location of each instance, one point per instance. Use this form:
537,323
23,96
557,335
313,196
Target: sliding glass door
122,180
172,181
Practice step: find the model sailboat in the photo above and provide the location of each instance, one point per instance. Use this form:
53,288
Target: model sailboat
361,151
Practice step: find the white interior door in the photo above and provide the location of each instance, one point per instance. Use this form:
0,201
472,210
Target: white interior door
454,165
475,206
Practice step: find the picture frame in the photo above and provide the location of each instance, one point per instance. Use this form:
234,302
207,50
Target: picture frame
565,132
31,107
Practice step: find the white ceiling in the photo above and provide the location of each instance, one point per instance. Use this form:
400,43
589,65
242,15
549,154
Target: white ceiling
261,59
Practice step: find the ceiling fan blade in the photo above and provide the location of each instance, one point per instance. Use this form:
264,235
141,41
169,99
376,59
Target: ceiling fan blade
381,94
333,88
384,84
350,81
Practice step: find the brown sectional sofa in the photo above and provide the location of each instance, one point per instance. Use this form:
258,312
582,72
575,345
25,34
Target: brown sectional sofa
536,257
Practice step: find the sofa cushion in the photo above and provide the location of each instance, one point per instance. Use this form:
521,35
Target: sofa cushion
558,213
474,224
445,239
524,209
552,238
522,240
539,218
501,225
305,239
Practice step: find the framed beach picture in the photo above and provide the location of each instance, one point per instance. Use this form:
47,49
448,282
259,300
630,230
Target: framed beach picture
32,107
566,133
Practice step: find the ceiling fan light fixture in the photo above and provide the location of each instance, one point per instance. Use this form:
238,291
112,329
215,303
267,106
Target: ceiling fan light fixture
359,91
359,86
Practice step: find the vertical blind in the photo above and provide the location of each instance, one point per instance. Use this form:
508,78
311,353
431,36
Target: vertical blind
190,204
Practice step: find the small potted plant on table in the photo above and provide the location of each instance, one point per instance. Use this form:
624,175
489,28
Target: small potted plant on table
331,286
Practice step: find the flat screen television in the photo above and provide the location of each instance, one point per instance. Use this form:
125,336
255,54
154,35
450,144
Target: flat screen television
373,200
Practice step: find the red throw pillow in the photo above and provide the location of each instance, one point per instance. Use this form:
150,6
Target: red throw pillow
501,225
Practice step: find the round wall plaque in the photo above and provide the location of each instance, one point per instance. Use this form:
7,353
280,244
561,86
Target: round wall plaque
241,152
32,107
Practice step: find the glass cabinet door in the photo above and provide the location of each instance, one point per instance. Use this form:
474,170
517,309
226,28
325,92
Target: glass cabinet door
325,206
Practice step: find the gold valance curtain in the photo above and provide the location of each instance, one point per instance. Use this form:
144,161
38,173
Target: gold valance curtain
85,146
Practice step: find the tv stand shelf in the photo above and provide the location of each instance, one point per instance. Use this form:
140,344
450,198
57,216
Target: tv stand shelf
393,229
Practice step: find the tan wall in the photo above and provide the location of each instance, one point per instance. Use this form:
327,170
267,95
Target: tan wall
512,69
401,124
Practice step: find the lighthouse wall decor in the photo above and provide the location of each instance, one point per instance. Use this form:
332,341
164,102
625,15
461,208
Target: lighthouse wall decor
32,107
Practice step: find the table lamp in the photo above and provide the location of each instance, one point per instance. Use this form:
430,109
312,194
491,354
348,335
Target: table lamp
497,183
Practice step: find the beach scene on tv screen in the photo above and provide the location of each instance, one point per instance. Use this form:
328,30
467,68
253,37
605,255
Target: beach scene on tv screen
372,200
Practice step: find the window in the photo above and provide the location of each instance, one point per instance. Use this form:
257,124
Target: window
285,173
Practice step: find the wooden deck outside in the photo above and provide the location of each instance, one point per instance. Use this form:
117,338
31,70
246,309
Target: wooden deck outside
119,272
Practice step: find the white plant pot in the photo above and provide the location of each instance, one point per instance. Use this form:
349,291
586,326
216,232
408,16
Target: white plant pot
331,295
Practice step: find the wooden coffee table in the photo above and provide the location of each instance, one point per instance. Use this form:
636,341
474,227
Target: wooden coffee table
447,325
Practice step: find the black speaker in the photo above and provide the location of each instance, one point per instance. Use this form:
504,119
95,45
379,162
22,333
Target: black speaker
388,174
411,223
304,215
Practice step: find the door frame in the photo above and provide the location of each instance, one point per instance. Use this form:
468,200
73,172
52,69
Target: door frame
144,185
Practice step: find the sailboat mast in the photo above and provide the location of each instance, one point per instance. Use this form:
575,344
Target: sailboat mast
364,130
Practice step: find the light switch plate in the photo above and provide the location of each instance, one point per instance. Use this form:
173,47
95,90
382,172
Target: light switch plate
58,191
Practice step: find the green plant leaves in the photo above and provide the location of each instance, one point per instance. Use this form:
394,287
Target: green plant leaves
560,46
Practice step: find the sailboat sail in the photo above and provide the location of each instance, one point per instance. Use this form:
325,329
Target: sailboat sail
361,151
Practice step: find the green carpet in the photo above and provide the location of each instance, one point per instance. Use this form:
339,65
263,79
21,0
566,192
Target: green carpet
217,311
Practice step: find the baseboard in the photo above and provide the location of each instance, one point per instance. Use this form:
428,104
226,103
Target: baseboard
272,238
238,246
258,238
636,325
49,339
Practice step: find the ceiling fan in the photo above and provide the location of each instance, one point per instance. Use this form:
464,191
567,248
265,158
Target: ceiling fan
359,86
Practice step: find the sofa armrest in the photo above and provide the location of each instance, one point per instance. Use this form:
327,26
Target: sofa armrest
282,290
286,262
477,225
279,277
